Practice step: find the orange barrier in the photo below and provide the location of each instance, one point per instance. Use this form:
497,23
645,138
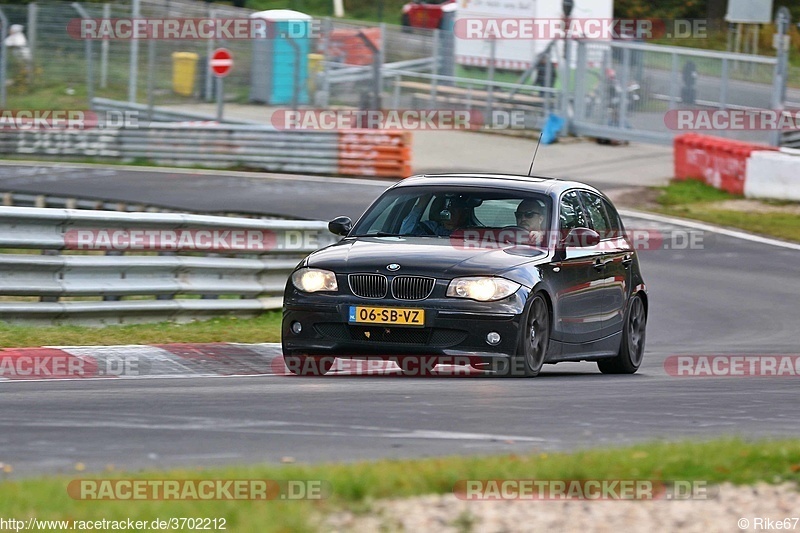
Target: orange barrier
721,163
378,153
350,49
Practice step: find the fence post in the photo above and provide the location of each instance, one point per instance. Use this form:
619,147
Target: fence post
782,20
296,74
580,82
151,63
134,61
723,89
673,82
89,67
32,15
434,97
490,89
212,13
3,57
376,70
325,85
623,82
104,44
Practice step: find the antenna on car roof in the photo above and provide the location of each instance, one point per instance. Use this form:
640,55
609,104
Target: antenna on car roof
534,153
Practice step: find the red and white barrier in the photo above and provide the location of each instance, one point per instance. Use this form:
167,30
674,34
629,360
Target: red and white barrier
754,170
719,162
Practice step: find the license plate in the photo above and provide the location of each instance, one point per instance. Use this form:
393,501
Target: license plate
387,315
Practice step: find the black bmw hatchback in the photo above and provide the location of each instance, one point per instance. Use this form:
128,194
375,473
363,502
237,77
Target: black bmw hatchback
506,272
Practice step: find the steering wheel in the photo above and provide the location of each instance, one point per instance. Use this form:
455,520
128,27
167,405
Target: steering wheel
518,230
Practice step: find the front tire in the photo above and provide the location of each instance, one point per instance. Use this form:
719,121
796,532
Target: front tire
535,338
631,349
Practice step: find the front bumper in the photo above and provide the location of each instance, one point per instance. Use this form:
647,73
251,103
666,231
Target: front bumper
452,327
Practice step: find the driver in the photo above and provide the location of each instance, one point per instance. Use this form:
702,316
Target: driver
530,216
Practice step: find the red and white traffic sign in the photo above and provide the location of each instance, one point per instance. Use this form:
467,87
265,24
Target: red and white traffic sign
221,62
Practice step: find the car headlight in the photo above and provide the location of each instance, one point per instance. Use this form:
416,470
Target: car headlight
314,280
481,288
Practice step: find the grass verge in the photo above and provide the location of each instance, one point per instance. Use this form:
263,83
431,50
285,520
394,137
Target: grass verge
696,200
265,328
355,486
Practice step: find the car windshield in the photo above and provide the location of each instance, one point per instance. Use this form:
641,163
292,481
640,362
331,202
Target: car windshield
444,212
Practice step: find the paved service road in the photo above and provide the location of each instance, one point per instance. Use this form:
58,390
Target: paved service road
733,297
325,197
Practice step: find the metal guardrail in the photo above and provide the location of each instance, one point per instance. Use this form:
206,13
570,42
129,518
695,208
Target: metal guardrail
174,266
156,114
335,152
23,199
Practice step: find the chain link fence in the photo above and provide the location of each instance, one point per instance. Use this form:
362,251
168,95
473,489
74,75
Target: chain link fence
615,90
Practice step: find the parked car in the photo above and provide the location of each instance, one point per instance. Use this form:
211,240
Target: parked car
426,13
512,272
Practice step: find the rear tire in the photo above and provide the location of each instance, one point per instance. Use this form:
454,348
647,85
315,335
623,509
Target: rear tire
309,365
631,349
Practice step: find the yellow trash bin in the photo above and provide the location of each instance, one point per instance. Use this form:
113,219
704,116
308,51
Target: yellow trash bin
314,68
184,70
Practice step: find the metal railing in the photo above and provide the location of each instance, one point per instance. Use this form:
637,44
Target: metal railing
26,199
168,272
623,90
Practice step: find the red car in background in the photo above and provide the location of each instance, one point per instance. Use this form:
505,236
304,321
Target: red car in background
426,13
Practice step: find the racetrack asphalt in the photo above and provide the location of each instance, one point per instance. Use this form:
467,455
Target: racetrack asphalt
733,296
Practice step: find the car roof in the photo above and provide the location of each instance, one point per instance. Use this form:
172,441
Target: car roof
540,184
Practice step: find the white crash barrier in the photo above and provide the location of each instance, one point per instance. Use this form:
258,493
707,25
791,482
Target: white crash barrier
773,175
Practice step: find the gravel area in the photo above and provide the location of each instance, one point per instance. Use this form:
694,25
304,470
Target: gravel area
446,513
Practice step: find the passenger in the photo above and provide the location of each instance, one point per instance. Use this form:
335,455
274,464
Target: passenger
446,215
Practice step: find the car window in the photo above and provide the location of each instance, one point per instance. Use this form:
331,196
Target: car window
613,218
497,213
436,211
597,213
571,213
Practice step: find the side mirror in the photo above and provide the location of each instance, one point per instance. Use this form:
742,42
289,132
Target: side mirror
580,238
340,226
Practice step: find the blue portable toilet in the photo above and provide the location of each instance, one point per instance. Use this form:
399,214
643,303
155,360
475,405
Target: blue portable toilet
279,71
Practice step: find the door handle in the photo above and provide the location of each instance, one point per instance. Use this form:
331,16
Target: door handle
599,265
627,260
